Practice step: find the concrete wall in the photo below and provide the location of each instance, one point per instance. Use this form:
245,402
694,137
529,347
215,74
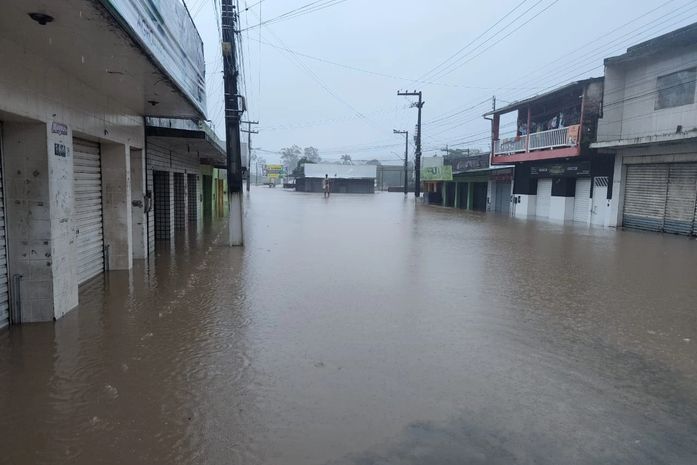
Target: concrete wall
38,174
630,96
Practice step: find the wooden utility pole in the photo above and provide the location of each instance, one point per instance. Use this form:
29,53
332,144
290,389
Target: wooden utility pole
249,149
406,159
233,115
417,153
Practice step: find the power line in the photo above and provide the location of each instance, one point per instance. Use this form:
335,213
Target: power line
427,73
311,7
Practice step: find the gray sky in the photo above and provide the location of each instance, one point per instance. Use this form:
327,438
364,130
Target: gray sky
306,101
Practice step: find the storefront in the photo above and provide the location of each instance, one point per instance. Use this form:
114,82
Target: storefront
661,197
566,191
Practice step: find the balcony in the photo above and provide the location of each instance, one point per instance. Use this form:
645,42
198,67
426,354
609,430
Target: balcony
552,139
510,145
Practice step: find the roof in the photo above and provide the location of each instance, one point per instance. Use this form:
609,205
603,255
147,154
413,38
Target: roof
319,170
683,37
519,103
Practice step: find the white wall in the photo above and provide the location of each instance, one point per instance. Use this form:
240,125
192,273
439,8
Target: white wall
630,96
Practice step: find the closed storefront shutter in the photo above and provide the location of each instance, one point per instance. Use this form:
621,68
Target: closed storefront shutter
4,281
645,196
87,172
503,197
544,197
682,193
582,200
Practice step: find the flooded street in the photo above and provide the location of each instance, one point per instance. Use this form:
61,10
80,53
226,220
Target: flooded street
363,330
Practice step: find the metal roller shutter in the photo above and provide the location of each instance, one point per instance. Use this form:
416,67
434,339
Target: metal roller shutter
582,200
645,196
544,197
4,294
682,193
87,173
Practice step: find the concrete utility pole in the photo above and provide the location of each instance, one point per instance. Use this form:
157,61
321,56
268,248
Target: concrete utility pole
406,159
249,149
233,115
417,153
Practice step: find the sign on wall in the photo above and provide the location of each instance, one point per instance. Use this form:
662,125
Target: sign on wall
467,163
561,170
168,34
437,173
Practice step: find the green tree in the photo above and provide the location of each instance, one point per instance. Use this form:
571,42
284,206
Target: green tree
311,154
290,156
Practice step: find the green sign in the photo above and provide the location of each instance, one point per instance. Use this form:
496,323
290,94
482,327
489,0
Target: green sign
437,173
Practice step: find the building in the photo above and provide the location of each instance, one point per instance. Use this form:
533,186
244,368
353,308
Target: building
557,174
476,185
391,177
344,179
649,124
87,181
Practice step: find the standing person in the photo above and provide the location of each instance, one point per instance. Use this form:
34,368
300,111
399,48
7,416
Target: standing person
325,185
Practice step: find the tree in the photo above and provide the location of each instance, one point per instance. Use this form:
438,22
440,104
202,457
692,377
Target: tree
311,154
298,171
290,156
375,162
346,159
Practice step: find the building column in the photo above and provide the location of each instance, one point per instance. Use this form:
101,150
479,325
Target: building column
138,216
116,205
40,222
617,200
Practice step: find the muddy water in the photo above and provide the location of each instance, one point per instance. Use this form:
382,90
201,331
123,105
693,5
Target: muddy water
360,330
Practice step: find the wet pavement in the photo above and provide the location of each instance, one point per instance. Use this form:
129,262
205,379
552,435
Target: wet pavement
362,330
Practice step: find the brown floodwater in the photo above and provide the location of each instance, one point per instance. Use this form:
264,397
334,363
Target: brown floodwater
365,330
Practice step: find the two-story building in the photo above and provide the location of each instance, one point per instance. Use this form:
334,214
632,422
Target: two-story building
557,175
649,123
78,79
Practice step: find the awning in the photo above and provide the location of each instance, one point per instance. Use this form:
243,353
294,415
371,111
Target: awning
187,137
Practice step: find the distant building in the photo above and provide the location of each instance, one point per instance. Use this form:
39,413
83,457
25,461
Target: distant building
344,179
391,177
650,124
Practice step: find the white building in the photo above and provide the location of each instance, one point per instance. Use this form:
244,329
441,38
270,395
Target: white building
78,78
650,123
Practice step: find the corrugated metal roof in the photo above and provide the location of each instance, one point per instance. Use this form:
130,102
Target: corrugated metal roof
319,170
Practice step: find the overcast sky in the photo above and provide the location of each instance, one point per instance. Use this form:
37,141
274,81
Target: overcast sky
386,45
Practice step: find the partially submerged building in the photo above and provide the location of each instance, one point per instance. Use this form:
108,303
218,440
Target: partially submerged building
649,125
91,172
557,174
344,179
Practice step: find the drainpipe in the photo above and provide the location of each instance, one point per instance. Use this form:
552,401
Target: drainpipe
16,315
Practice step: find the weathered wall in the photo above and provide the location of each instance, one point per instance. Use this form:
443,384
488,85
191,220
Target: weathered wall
630,97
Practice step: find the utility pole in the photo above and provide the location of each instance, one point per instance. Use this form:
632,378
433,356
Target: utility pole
417,153
406,159
249,149
233,115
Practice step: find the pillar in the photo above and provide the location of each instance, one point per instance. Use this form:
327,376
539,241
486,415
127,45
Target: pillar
138,216
116,205
38,161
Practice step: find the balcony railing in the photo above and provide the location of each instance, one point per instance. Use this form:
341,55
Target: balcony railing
510,145
562,137
554,138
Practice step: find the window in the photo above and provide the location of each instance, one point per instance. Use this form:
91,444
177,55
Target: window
676,89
